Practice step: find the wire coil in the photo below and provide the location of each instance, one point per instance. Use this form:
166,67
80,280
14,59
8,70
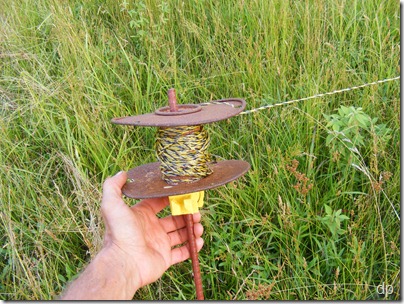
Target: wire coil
182,152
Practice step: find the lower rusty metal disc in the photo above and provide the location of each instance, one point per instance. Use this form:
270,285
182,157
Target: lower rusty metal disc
145,181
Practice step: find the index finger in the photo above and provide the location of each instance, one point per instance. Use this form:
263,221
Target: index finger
155,204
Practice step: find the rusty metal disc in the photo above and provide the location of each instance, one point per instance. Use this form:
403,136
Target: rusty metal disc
209,112
145,181
181,110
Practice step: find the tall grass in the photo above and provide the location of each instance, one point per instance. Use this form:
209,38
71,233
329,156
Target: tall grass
68,67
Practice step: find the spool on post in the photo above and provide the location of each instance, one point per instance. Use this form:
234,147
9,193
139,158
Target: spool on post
146,181
189,223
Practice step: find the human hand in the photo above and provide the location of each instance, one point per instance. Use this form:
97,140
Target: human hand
141,240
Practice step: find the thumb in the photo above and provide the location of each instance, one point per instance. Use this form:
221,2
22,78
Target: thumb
112,190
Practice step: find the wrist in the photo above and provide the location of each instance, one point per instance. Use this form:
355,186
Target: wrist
107,277
122,272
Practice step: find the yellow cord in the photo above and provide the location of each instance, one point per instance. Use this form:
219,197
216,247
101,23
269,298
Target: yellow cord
182,152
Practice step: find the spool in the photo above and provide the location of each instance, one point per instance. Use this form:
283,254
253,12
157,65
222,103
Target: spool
146,181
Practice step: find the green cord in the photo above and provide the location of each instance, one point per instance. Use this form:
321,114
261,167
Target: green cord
182,152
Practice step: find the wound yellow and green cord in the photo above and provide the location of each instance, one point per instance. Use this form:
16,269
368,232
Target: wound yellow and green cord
182,152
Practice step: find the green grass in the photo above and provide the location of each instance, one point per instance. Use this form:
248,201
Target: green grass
69,67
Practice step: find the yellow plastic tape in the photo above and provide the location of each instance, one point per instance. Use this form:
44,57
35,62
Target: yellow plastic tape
186,203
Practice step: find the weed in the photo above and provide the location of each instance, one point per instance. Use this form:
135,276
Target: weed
333,220
351,131
302,186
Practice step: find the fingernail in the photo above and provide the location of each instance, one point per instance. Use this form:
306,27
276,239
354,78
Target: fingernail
119,173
